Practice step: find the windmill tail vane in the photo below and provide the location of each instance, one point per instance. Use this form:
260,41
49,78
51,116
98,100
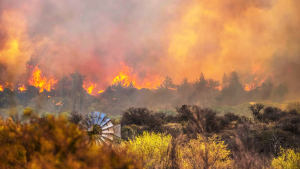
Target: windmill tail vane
100,128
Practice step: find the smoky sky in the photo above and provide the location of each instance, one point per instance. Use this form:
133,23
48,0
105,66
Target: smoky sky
179,38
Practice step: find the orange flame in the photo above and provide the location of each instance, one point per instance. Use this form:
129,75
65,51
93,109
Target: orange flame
101,91
41,82
127,77
249,87
89,89
1,88
58,104
22,88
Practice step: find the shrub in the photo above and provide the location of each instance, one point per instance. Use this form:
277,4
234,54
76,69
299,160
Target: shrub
142,116
185,112
199,120
271,114
204,152
28,112
51,142
290,123
255,109
75,117
231,116
150,148
226,120
289,159
294,106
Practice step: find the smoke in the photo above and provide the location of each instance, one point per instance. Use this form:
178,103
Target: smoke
176,38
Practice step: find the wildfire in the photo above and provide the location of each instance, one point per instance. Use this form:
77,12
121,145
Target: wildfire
249,87
58,104
89,89
1,88
127,77
101,91
219,88
22,88
41,82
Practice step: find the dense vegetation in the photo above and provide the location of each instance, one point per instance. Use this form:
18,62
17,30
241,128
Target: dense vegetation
69,94
194,137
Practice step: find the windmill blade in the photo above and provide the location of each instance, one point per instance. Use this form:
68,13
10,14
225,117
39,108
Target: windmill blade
96,116
117,130
108,130
91,116
107,125
104,121
108,136
83,124
102,116
106,141
98,143
87,120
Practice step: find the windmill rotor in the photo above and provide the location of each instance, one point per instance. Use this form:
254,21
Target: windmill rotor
100,128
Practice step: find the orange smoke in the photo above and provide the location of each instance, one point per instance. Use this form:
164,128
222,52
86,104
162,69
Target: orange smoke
127,77
41,82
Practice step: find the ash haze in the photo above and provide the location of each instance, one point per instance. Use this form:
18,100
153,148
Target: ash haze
178,38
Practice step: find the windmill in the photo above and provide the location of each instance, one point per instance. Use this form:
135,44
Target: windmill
100,128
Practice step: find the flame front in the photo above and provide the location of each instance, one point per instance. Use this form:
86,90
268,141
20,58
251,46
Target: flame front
89,89
41,82
127,77
22,88
1,88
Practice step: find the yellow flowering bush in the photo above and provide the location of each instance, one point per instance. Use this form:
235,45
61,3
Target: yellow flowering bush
206,153
289,159
151,148
51,142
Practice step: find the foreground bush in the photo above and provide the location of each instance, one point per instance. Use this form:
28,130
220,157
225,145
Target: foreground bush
289,159
51,142
204,153
150,148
